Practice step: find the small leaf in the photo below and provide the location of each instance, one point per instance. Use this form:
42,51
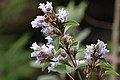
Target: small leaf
64,69
108,67
56,42
80,54
44,65
105,65
70,24
82,35
58,52
111,72
82,65
74,44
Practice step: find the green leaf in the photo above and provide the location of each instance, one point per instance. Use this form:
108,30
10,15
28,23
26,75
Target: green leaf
80,54
56,42
108,68
58,52
74,44
105,65
81,66
44,65
64,69
70,24
111,72
82,35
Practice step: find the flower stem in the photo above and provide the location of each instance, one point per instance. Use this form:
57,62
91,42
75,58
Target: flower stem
70,76
73,61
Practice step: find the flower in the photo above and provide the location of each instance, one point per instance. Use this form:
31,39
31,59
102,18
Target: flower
80,62
52,66
101,48
46,30
35,46
49,49
88,56
95,50
39,22
50,40
59,58
42,52
46,7
67,38
62,15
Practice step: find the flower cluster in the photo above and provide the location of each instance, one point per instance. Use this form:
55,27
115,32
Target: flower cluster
49,19
42,52
48,23
62,52
62,15
95,51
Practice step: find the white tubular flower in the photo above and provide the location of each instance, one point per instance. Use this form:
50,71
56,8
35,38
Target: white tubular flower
88,51
79,62
34,54
88,56
46,30
39,22
50,40
59,58
49,49
98,50
52,67
62,15
46,7
101,48
67,38
35,46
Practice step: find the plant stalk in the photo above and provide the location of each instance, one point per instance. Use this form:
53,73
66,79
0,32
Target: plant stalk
73,61
70,76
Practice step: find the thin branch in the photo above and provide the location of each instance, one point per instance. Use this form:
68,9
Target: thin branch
73,61
70,76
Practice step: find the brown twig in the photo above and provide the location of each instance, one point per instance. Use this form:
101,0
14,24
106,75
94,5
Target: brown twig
73,61
70,76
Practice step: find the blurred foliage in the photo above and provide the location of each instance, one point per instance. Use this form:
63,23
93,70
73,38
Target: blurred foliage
48,77
13,8
76,12
14,60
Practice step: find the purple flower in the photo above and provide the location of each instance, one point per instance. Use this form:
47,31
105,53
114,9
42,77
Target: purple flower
39,22
52,66
67,38
35,46
46,7
46,30
101,48
50,40
98,50
62,15
41,52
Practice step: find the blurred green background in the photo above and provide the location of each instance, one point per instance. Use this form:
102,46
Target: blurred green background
16,34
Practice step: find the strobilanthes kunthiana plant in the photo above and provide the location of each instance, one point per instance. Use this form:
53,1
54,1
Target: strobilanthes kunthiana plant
62,53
